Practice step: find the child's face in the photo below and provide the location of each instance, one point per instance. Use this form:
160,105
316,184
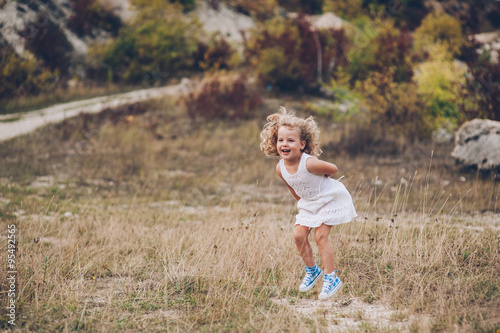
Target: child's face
289,144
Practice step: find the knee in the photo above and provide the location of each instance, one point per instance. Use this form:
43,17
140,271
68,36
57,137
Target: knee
300,235
320,237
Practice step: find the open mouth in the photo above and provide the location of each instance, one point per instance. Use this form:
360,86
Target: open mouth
285,151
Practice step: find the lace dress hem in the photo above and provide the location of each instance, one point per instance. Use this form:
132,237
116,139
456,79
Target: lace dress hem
328,217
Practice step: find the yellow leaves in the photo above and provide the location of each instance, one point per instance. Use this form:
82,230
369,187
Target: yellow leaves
440,28
439,78
349,9
280,26
20,75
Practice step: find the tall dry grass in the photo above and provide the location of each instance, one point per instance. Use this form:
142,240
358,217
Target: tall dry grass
183,226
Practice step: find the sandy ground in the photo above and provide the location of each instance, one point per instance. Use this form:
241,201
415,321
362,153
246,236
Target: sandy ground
346,314
29,121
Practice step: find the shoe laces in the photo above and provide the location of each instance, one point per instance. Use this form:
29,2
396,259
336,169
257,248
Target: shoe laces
329,281
311,273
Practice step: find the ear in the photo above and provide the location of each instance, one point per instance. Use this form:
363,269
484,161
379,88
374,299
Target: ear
302,145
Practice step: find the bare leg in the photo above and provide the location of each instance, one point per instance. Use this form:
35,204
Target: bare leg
325,247
300,234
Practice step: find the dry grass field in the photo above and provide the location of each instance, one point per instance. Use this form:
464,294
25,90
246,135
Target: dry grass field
143,220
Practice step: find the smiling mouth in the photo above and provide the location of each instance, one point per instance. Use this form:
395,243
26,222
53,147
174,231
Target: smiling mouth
285,150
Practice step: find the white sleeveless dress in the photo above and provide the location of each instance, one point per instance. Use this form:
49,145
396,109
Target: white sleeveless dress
323,200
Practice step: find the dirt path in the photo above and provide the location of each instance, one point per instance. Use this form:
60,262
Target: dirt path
13,125
346,314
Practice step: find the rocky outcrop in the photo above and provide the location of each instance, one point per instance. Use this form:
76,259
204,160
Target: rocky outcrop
477,145
490,42
15,16
229,23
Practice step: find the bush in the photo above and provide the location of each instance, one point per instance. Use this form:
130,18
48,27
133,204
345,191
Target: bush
396,107
284,53
381,49
48,43
185,5
482,89
160,38
215,55
260,9
23,76
404,13
302,6
347,9
440,28
89,15
392,116
222,96
439,82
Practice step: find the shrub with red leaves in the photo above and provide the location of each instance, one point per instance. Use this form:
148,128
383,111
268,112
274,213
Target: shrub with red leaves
214,55
482,88
222,97
290,54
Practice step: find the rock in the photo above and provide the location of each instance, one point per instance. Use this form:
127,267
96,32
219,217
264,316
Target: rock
327,21
490,42
327,92
477,145
14,18
324,21
441,135
225,21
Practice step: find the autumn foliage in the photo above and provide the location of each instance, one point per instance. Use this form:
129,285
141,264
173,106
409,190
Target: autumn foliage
222,96
290,53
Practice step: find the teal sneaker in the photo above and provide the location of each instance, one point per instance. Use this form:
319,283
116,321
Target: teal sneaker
331,284
312,275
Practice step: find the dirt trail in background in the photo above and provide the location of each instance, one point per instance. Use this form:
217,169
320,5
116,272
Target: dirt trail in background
31,120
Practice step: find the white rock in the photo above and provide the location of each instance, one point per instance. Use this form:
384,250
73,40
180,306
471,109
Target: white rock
120,8
477,145
327,21
487,37
441,135
226,21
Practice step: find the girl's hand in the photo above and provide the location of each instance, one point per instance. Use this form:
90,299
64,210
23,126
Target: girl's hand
319,167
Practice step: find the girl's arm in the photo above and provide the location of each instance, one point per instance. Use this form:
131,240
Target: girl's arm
319,167
278,171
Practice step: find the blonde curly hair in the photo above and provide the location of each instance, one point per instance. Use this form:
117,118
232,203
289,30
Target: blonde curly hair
309,132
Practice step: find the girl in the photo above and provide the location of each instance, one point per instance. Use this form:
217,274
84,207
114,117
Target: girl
322,201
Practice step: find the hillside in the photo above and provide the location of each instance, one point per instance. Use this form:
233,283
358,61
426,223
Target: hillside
27,20
418,65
